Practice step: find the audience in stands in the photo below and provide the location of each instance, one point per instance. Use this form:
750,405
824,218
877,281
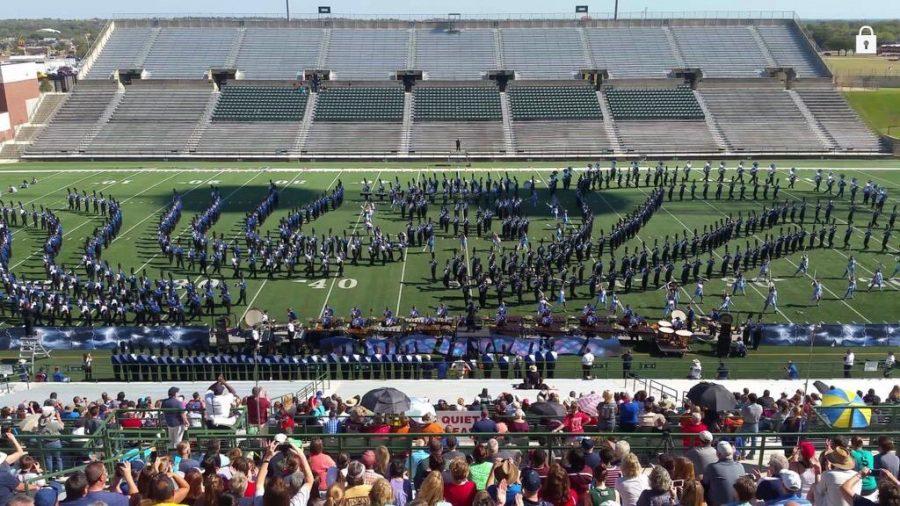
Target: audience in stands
581,467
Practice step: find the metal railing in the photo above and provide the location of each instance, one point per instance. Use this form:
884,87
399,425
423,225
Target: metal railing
737,368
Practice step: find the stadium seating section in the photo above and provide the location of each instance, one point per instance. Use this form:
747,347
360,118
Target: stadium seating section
188,53
260,103
462,55
457,104
632,51
366,53
553,102
360,109
278,53
721,51
759,120
360,104
543,53
630,103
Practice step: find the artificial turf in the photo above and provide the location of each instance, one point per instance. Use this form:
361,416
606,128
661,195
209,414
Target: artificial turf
145,193
145,190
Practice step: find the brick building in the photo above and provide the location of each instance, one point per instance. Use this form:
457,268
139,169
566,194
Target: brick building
19,94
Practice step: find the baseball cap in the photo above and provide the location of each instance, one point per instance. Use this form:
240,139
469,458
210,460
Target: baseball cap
531,480
705,436
173,391
807,450
724,449
790,480
587,444
46,496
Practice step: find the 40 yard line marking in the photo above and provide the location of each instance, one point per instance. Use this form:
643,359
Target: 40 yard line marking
405,255
266,280
355,226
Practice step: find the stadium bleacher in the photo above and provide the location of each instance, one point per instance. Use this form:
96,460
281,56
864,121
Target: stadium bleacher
457,103
278,53
721,51
761,119
360,104
637,103
459,55
543,53
188,53
445,113
636,51
553,102
153,117
260,103
121,51
364,54
737,106
75,117
785,44
838,119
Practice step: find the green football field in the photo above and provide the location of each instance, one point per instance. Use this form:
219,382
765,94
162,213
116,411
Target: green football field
145,191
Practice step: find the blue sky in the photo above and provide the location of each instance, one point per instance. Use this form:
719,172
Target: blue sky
807,9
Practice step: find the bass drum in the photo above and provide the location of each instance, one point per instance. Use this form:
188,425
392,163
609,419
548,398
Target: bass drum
253,317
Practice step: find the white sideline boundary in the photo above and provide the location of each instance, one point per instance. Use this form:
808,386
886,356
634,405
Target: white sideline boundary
382,169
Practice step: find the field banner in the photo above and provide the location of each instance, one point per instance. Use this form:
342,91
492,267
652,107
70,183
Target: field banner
577,345
106,338
458,421
857,335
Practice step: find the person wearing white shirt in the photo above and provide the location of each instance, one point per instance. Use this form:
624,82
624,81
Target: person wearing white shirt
220,398
587,363
827,492
889,363
849,357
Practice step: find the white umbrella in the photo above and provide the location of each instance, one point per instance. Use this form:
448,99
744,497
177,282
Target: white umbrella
418,407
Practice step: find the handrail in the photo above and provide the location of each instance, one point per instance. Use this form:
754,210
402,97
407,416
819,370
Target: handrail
90,57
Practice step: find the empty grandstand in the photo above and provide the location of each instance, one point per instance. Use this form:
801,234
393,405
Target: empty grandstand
500,88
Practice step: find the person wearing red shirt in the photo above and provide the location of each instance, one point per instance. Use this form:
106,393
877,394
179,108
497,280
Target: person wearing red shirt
131,421
257,409
460,491
320,462
692,425
575,421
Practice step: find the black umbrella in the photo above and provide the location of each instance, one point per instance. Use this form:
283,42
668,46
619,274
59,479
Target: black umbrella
386,401
548,409
711,396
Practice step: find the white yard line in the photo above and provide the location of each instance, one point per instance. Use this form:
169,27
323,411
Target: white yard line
154,213
185,229
497,168
355,225
405,255
683,289
795,265
266,280
87,221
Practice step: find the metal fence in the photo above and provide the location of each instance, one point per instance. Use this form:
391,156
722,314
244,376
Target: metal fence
276,369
